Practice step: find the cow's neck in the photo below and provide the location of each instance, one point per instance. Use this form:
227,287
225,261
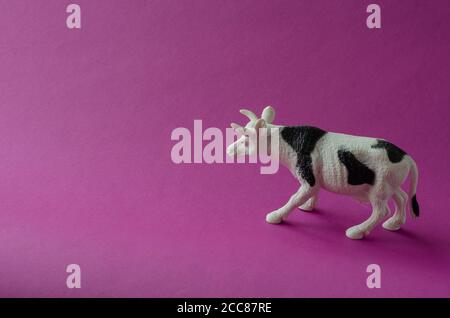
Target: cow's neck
286,152
281,144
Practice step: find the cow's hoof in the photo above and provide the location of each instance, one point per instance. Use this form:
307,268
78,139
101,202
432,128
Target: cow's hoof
306,207
392,224
273,218
354,233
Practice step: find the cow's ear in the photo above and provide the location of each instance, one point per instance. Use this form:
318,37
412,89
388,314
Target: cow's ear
238,129
235,126
268,114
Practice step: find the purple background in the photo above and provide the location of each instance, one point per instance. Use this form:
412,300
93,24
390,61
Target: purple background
85,123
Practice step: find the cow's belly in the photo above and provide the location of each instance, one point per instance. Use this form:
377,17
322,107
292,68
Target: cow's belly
359,192
333,178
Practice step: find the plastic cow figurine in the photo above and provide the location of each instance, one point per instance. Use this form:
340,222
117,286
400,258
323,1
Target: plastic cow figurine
368,169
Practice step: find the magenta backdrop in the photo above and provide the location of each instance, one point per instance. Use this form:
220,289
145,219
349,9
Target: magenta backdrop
85,123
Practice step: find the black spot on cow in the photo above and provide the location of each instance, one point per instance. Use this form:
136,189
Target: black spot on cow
395,154
358,173
303,139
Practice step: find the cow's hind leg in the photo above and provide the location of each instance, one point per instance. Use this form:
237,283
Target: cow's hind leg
399,218
379,210
309,205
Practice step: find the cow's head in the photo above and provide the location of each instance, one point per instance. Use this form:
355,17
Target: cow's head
247,143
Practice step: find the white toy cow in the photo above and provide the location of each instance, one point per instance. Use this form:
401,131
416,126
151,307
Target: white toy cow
368,169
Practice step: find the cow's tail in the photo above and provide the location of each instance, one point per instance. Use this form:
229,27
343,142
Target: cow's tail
414,206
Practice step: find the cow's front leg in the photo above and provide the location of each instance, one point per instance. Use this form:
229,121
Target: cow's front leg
300,197
310,204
